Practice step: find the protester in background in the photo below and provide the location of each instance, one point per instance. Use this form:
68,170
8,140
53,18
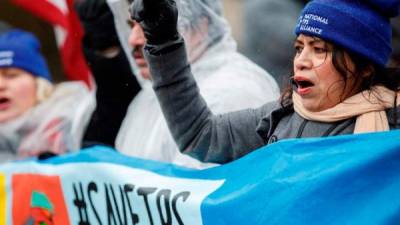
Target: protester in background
115,83
340,82
272,20
395,60
227,80
37,116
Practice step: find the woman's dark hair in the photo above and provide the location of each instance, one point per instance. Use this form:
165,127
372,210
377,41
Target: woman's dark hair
376,75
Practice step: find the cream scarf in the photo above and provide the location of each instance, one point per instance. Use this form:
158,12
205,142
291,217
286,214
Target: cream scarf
368,106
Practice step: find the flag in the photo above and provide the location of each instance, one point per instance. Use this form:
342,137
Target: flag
61,15
352,179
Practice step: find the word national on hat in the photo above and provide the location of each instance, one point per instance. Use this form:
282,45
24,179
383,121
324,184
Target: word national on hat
360,26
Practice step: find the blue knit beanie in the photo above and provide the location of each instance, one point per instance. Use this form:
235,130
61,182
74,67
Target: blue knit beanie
360,26
21,49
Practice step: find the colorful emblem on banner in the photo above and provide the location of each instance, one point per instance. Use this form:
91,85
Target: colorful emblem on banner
38,200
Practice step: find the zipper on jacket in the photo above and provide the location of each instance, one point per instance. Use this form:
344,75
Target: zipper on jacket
301,129
331,128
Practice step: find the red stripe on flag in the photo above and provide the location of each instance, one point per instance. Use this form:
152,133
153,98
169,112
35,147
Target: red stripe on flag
74,63
44,10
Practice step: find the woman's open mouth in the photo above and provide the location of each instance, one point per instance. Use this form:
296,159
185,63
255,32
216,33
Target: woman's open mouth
302,85
4,103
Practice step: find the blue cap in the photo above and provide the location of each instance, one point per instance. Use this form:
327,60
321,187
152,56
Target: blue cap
21,49
362,27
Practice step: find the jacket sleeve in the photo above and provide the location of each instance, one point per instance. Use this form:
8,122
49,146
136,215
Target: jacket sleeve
199,133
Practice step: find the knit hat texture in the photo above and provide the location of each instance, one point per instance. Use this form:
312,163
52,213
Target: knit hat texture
21,49
360,26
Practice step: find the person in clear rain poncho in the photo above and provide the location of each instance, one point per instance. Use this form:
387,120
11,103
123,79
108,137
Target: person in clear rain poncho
227,80
37,116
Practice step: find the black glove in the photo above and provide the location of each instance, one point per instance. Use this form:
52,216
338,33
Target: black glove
98,23
158,19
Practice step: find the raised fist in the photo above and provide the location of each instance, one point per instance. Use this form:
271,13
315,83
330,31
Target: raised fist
158,19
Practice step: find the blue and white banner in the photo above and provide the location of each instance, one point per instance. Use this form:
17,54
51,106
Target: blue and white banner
339,180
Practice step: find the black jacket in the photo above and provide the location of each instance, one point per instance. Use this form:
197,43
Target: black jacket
116,88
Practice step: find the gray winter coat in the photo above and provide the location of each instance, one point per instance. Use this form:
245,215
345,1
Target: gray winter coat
223,138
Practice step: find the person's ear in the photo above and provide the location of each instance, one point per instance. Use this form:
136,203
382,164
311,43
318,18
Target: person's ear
368,71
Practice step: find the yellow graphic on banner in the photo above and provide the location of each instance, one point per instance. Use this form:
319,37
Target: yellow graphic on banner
3,199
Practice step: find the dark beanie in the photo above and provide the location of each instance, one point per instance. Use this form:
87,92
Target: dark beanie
21,49
360,26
